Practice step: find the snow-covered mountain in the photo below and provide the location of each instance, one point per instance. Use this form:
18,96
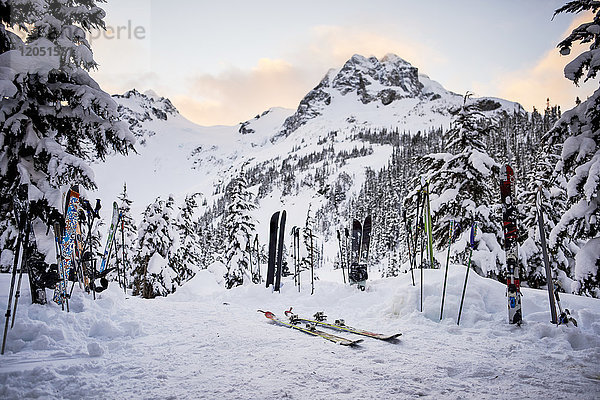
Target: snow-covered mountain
177,156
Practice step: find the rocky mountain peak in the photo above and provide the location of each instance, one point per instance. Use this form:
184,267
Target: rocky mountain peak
371,80
137,108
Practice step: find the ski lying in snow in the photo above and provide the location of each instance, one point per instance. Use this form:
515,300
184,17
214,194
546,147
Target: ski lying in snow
310,329
339,325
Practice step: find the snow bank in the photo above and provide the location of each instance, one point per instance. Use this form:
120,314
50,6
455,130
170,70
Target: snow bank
208,342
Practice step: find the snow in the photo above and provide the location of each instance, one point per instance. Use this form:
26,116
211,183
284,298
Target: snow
208,342
586,260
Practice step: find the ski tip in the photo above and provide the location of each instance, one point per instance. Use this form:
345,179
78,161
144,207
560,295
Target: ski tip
393,338
268,314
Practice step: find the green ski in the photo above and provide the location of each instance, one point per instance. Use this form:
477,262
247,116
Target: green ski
339,325
310,329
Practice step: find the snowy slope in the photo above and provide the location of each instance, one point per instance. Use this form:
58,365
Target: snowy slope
205,342
178,157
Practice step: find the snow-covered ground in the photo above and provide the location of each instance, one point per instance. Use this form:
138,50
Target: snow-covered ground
208,342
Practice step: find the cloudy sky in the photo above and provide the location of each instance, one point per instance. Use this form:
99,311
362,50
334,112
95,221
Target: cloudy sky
224,62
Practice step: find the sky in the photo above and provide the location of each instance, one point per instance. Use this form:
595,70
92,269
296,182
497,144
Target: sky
222,63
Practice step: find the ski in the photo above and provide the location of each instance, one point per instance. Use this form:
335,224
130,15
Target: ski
67,246
109,240
538,204
279,269
273,226
365,242
310,329
509,214
339,325
354,273
428,225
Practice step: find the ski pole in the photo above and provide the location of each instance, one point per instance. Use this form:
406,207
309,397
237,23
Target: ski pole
472,242
16,261
24,248
451,229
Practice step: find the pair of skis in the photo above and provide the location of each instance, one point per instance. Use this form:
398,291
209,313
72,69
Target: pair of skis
22,245
361,239
509,219
276,236
310,325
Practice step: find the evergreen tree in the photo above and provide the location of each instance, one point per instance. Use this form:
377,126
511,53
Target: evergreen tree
155,238
580,156
240,230
553,201
126,236
186,253
462,188
55,118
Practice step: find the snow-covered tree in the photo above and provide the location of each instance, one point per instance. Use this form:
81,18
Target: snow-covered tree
126,235
240,230
580,157
463,188
186,254
552,203
54,118
155,238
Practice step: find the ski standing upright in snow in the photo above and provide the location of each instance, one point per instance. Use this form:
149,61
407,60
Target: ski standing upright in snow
276,236
509,216
361,240
279,269
67,246
110,238
355,252
541,226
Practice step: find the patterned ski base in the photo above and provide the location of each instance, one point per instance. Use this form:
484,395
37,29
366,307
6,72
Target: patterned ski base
340,326
68,246
314,332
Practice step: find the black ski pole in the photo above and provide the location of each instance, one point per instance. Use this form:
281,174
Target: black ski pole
472,243
23,265
12,285
450,234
